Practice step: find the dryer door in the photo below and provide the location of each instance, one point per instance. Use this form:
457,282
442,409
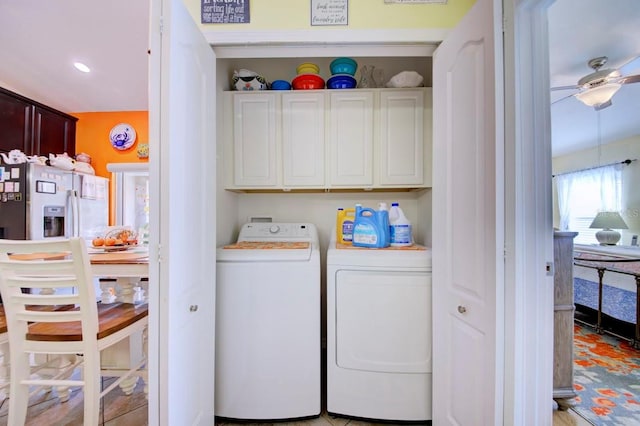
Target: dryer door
383,321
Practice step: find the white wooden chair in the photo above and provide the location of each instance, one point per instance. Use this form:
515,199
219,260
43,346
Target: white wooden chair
36,325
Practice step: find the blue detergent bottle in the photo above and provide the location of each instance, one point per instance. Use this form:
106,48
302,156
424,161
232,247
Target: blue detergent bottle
370,228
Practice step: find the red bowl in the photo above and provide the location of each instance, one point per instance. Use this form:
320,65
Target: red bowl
307,82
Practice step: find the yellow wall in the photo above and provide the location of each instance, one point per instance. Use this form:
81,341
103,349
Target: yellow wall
363,14
92,137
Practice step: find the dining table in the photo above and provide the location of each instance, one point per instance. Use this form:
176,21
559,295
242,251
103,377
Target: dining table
122,275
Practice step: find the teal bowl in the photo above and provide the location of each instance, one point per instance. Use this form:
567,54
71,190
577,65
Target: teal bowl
343,66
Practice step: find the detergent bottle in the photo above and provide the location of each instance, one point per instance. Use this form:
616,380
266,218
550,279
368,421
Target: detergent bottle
400,227
369,228
382,207
344,225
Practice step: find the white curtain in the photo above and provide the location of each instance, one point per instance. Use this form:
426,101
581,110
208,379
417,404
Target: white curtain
600,187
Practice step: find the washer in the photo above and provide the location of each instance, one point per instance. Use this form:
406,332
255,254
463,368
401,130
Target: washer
268,323
379,333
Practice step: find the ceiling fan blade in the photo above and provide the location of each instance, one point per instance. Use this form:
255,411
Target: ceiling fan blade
631,67
561,99
630,79
574,87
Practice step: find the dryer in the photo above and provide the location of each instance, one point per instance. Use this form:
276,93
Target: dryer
268,323
379,344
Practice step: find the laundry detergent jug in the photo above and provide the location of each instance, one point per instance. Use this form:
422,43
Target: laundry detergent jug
344,225
370,228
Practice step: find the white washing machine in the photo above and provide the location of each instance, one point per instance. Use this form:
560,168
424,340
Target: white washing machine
379,333
268,323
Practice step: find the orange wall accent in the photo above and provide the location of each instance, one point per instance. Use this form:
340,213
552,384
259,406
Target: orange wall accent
92,137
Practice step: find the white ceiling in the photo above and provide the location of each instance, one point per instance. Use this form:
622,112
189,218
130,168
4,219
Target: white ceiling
41,39
580,30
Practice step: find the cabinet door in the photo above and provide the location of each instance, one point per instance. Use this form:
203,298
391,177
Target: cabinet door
15,124
303,139
254,140
401,137
351,139
53,133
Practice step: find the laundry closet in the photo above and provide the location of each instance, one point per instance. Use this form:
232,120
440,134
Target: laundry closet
266,185
296,157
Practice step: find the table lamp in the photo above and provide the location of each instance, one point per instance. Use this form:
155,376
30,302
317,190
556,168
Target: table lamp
607,222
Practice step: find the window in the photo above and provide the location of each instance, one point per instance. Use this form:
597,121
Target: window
582,194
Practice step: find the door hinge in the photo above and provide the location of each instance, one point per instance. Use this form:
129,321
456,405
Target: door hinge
161,25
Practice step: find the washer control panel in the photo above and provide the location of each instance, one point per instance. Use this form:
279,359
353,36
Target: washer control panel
258,231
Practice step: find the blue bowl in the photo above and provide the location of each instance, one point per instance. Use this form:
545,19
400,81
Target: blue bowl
280,85
343,66
341,81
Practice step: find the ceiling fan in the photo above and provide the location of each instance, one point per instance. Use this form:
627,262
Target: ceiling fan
597,89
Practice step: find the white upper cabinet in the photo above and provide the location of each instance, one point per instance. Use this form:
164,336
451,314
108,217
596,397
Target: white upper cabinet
303,147
402,143
254,140
324,139
351,139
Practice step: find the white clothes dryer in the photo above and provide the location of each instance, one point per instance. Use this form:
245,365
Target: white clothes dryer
268,323
379,345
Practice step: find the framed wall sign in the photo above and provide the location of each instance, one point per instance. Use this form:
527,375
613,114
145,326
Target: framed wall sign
329,12
224,11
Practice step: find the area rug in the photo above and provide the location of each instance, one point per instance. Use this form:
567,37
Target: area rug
606,379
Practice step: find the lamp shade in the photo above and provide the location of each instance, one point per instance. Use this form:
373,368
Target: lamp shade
607,221
598,95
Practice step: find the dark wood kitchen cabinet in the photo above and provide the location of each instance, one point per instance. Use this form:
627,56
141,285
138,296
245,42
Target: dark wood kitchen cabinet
15,123
53,132
34,128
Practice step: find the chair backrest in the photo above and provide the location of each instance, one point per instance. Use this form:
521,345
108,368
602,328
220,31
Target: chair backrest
31,272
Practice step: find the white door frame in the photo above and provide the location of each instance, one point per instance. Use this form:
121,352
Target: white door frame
528,294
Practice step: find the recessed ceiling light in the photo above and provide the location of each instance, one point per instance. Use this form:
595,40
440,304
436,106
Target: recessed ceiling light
81,67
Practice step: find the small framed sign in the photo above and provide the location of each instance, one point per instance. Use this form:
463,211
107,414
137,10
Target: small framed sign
329,12
224,11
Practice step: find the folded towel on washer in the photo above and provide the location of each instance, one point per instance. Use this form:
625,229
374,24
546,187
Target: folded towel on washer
413,247
268,245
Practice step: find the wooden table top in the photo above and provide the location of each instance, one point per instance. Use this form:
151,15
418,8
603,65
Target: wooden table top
112,257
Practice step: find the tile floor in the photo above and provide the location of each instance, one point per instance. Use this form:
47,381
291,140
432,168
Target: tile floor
122,410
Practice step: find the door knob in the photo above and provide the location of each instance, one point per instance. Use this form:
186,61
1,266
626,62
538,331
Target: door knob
462,309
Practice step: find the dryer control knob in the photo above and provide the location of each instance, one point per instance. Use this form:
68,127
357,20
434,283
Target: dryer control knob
274,229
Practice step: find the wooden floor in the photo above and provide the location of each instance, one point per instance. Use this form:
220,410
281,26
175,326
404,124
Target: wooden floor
117,409
568,418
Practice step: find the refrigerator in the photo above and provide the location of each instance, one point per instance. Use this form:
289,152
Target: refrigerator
39,202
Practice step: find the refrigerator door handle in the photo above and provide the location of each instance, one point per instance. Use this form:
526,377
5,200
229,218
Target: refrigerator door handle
75,213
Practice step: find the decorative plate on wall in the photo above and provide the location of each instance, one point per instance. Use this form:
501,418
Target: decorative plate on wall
122,136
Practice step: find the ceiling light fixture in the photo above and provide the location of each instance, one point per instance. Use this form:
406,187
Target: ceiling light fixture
81,67
598,95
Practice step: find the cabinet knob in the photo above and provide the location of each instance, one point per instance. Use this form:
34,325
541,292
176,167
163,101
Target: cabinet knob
462,309
193,308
